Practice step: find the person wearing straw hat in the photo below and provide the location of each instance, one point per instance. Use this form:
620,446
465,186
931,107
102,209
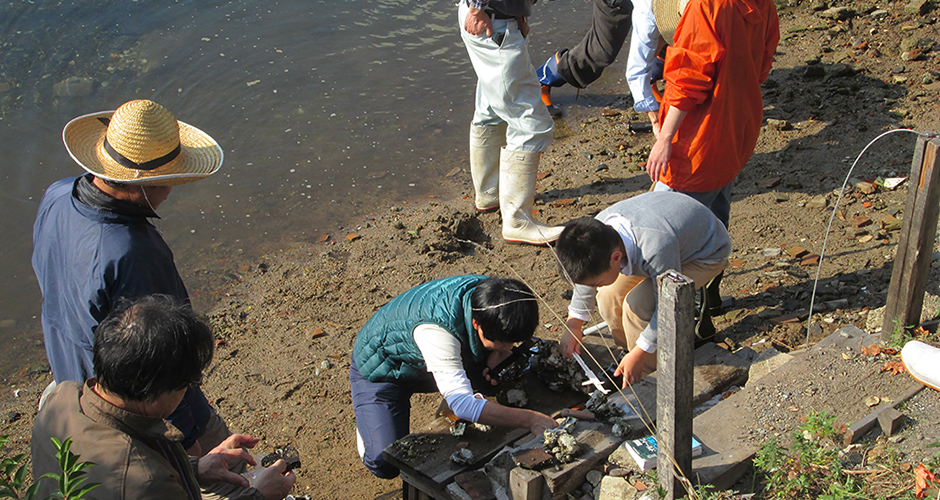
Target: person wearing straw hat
720,51
94,245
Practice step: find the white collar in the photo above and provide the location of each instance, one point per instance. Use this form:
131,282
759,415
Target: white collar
625,229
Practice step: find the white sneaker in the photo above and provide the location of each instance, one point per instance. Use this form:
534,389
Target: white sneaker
922,361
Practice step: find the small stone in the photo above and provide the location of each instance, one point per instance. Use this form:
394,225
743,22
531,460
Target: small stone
819,201
918,7
865,187
325,364
13,416
878,14
861,221
872,401
615,488
781,197
353,237
771,252
594,476
779,124
912,55
589,200
838,13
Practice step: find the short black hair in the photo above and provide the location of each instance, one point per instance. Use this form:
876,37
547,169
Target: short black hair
584,248
506,309
151,346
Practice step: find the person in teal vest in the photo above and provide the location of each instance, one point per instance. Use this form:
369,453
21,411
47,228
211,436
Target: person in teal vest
433,338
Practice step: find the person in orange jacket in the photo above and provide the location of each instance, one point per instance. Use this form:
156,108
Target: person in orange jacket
720,51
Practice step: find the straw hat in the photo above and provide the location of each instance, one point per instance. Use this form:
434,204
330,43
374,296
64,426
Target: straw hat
141,143
667,14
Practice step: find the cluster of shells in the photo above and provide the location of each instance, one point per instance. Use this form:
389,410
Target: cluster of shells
600,405
557,371
560,443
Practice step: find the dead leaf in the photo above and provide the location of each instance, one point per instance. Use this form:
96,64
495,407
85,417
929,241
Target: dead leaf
872,350
639,485
890,351
895,367
922,477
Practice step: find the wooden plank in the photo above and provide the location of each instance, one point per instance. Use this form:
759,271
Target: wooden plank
674,382
915,243
597,442
861,426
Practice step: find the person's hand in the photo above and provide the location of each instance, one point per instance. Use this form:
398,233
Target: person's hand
494,359
570,340
273,482
539,422
659,157
523,23
478,22
631,366
215,466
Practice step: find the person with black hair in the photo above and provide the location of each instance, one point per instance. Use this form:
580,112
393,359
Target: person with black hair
434,338
147,353
615,258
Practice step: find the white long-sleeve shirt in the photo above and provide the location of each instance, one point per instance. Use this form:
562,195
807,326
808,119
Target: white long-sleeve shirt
441,352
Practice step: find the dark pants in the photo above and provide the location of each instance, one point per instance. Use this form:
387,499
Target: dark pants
383,412
610,27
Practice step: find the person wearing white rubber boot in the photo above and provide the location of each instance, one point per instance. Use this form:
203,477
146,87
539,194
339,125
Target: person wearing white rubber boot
922,361
517,171
507,94
485,145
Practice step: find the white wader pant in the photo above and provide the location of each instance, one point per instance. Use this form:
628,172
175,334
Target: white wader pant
507,88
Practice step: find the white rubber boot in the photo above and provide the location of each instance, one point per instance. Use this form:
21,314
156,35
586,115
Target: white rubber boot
485,143
517,172
922,361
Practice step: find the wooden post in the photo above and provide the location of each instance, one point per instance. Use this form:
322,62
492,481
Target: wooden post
915,243
676,346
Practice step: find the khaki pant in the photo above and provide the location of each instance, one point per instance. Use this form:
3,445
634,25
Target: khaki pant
629,303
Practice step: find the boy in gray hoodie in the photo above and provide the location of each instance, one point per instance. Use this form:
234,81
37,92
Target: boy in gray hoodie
614,260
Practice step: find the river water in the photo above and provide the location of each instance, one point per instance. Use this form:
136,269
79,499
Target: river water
325,110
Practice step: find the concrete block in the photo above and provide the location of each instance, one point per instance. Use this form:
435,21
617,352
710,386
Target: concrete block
768,361
616,488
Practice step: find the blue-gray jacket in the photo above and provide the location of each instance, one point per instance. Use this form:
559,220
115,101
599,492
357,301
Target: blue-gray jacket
385,349
85,259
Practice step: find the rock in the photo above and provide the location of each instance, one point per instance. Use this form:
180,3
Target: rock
781,197
13,416
73,86
912,55
771,252
620,458
779,124
813,72
819,201
841,70
325,364
865,187
878,14
589,200
838,13
594,476
616,488
890,223
918,7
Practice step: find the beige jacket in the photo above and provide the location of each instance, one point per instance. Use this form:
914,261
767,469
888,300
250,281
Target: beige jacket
136,457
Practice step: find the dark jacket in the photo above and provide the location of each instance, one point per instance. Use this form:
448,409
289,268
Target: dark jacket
86,257
385,349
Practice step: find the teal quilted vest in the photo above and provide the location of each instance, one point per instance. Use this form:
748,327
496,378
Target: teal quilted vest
385,349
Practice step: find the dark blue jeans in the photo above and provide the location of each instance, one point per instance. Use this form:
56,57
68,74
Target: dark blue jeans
383,412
